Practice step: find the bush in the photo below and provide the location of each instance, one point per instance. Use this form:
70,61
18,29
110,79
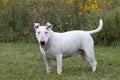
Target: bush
110,33
14,19
17,18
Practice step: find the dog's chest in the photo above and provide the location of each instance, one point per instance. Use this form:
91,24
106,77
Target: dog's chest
51,54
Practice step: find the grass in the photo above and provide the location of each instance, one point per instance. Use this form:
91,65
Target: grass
23,61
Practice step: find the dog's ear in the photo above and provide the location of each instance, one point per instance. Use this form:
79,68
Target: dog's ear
36,25
49,25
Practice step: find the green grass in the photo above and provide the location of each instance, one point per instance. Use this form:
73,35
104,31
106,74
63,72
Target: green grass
23,61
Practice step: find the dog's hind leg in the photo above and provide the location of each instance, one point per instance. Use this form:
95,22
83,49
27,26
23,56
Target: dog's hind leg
90,57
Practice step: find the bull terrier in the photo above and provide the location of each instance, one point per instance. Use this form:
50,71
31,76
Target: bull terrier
56,46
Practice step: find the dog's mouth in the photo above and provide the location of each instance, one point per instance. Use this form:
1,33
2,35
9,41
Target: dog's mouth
42,43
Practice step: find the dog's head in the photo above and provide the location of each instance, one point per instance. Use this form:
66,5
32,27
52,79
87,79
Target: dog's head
43,33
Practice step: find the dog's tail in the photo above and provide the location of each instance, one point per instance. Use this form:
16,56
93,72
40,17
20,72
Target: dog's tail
98,29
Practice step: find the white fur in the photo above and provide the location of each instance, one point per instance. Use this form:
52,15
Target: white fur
62,45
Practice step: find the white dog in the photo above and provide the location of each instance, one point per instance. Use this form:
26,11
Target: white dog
54,45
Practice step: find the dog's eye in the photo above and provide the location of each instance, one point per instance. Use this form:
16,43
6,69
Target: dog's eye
38,32
46,32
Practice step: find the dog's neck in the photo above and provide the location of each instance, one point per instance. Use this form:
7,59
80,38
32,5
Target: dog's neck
50,40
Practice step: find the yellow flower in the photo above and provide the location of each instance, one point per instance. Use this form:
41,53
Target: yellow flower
81,7
96,5
86,8
5,2
52,1
89,0
93,6
66,23
60,9
95,1
99,9
71,1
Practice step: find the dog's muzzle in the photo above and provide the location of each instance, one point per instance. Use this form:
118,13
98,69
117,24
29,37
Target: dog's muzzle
42,43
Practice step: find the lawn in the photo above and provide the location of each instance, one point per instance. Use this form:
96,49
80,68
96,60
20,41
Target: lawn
23,61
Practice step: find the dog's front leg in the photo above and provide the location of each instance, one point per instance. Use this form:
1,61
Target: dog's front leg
46,60
59,64
47,63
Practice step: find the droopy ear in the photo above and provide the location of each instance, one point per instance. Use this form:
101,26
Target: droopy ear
49,25
36,25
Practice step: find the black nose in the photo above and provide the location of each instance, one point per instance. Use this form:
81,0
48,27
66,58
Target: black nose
42,42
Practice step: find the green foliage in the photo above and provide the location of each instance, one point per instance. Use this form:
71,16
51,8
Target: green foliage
110,33
13,20
17,18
